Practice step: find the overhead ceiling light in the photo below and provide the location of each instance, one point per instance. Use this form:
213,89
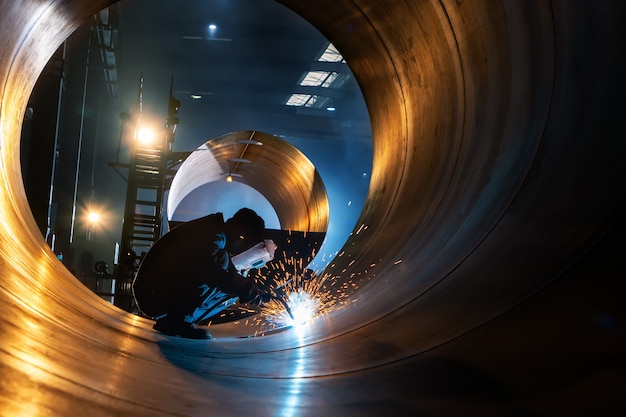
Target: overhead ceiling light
93,217
231,175
196,96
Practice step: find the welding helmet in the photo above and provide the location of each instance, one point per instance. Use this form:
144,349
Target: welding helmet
244,230
101,267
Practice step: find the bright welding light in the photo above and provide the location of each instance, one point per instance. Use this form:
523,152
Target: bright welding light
304,307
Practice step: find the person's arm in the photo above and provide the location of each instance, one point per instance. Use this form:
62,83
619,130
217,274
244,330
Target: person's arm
232,282
226,278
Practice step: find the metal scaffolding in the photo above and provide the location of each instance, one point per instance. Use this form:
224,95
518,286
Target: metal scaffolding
149,174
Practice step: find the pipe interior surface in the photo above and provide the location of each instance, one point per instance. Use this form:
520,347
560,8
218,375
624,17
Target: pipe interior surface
486,262
297,191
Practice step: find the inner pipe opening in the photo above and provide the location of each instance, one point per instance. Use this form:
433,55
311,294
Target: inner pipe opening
104,70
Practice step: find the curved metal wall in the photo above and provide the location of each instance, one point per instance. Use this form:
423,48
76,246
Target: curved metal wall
486,261
275,168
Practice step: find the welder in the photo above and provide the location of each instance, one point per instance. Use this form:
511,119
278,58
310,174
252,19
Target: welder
188,276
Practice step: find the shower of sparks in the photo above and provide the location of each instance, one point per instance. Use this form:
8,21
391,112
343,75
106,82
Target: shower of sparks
309,296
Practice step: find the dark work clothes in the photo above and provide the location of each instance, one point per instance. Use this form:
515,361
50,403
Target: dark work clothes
179,269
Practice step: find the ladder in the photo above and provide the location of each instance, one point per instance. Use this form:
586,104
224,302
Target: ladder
149,175
142,222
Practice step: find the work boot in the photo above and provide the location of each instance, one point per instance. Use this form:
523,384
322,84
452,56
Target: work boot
172,327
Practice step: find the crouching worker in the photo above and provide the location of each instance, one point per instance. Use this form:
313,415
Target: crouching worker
187,276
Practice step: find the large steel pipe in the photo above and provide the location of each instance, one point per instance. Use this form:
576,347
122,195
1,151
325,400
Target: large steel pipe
486,262
296,193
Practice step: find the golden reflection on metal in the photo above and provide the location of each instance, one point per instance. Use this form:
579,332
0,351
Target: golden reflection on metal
22,353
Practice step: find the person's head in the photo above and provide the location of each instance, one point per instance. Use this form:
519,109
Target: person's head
101,267
244,230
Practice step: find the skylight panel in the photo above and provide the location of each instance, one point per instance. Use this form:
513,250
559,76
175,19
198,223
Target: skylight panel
298,99
331,54
305,100
314,78
319,78
311,101
330,79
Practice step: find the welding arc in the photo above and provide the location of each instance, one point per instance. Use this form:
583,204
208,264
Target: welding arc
285,304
